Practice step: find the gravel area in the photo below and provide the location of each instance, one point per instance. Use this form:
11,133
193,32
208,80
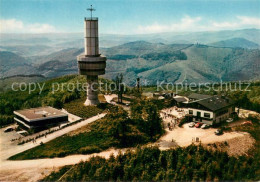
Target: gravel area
184,136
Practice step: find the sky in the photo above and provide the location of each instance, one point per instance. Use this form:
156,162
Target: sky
128,16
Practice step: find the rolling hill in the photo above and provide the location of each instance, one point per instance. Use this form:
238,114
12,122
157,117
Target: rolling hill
227,60
236,43
185,62
13,64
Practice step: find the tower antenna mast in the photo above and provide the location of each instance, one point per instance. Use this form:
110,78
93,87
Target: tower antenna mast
91,63
91,9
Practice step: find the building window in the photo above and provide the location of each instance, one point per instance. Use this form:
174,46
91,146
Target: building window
207,115
198,114
190,111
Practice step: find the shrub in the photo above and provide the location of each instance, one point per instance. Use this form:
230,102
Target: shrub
89,150
183,121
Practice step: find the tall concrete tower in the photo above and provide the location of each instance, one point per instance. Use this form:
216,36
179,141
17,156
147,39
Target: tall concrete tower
91,63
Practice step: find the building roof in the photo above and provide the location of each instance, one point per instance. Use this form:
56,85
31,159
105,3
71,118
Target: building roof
40,113
180,99
198,96
215,103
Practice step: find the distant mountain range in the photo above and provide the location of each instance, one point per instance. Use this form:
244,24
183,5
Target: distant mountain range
183,62
236,43
75,40
171,57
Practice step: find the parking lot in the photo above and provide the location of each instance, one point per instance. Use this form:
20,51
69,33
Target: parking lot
184,136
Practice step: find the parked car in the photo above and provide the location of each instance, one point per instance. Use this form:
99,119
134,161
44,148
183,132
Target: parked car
192,124
205,126
8,130
198,125
219,132
229,120
247,123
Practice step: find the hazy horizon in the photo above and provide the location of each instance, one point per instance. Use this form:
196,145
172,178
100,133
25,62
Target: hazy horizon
106,34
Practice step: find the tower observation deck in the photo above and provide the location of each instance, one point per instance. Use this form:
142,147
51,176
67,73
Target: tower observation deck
91,63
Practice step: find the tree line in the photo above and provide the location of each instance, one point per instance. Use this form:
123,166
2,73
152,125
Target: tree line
193,163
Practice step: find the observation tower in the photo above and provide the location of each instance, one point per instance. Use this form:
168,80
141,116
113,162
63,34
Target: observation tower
91,63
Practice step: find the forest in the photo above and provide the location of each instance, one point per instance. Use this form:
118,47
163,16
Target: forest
193,163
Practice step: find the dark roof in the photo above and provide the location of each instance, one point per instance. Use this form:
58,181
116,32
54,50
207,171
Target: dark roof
180,99
198,96
215,103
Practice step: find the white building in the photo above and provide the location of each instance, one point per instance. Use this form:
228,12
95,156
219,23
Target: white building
209,109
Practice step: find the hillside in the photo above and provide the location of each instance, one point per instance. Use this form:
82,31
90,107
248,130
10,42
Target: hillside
235,43
181,62
215,36
6,83
13,64
63,55
29,50
151,62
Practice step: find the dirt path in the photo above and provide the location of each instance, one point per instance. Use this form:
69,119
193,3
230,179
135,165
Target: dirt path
33,170
109,98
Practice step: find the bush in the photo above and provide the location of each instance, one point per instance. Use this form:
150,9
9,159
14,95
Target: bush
89,150
6,120
183,121
226,128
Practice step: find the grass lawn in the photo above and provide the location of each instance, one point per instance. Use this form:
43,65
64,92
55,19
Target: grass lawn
77,108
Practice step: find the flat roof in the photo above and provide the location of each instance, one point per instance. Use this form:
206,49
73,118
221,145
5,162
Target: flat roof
40,113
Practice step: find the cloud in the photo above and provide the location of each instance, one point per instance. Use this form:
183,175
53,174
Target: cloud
186,23
249,21
193,24
17,26
240,22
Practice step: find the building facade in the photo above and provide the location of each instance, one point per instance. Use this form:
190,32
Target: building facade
42,117
209,110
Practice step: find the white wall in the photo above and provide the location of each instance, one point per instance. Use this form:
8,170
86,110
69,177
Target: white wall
198,110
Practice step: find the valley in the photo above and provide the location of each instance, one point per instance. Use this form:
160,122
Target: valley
230,60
